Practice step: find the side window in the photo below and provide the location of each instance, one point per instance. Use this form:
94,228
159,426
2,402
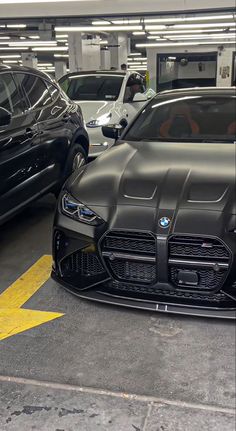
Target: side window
9,95
135,84
35,90
64,84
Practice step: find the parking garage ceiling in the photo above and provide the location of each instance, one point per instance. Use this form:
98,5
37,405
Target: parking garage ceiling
48,38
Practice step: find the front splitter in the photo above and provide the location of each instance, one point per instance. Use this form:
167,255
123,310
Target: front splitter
163,307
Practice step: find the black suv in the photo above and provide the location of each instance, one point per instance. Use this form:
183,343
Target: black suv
42,137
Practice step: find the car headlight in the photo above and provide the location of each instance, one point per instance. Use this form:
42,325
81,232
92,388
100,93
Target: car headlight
78,211
100,121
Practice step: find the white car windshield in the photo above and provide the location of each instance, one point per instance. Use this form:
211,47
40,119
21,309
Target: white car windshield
92,87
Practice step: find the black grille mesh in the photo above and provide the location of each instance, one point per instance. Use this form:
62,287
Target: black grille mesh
80,262
197,247
201,249
133,271
135,244
208,278
156,293
130,244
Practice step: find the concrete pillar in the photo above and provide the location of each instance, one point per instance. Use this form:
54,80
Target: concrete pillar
75,52
45,31
152,68
119,48
60,69
91,53
84,53
224,68
105,59
29,59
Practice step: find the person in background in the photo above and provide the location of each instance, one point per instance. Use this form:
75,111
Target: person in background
123,67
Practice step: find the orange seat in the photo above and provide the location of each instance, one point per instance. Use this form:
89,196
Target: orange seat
232,128
181,111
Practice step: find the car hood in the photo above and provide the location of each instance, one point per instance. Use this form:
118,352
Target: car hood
93,109
160,175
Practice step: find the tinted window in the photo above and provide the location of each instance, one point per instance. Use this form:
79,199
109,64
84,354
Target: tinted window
9,96
190,118
35,89
135,84
92,87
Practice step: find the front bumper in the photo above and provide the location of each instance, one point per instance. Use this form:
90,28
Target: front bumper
82,268
97,295
98,143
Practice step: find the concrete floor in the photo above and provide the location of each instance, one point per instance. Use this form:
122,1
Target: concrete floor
107,368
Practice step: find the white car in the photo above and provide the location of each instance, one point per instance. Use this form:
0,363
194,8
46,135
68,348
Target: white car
105,97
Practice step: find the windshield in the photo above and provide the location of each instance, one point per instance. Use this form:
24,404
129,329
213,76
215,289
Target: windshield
92,87
186,118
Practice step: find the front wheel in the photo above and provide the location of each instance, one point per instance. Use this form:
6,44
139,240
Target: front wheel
76,159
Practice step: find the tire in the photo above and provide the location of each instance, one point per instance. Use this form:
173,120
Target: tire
76,158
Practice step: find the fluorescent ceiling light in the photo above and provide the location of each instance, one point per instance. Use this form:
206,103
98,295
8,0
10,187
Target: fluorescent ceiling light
126,21
93,29
50,48
101,23
192,26
206,36
137,63
137,59
103,42
134,53
10,56
34,37
166,32
61,55
61,36
45,65
181,44
4,37
16,25
63,41
138,33
33,44
190,18
10,48
155,37
10,61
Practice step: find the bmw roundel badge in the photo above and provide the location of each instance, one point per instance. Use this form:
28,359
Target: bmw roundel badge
164,222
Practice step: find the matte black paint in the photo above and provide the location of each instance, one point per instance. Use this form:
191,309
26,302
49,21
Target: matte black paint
34,148
131,187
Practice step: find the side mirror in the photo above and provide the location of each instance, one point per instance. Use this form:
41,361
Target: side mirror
5,118
140,97
112,131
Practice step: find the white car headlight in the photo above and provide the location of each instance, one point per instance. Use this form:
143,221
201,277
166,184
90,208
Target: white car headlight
100,121
76,210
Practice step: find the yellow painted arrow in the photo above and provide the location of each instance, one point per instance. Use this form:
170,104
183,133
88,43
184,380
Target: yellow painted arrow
13,318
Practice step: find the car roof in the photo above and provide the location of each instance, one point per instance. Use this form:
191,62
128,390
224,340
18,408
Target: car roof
24,69
100,72
200,90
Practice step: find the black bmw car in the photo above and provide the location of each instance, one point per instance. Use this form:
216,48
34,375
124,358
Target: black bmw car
42,137
151,224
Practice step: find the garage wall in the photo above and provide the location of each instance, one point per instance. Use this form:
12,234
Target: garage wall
224,60
63,8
